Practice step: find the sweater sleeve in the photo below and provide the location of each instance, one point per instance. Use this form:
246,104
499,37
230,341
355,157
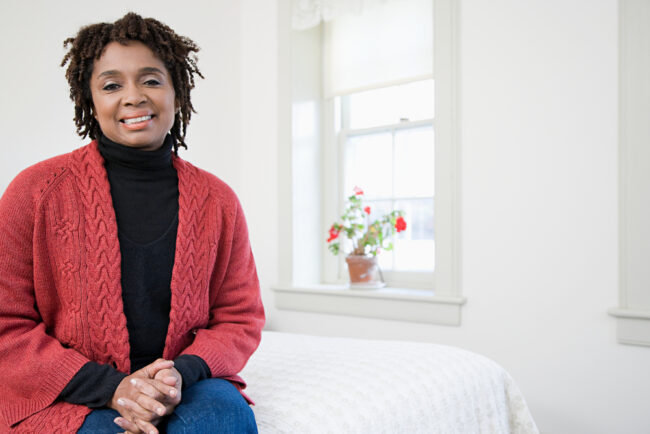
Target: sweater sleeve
37,366
192,369
95,383
93,386
236,312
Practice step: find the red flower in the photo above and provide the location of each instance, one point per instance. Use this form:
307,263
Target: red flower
357,191
334,233
400,224
367,210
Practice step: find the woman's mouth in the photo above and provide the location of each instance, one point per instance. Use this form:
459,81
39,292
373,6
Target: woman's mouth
131,121
136,123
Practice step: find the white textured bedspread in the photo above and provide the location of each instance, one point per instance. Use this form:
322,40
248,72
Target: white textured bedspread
308,384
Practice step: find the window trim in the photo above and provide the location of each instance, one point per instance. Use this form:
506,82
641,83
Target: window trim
401,304
447,279
633,313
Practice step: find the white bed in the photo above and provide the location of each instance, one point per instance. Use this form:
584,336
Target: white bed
307,384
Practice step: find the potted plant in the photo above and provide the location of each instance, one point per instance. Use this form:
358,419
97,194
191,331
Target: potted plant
367,239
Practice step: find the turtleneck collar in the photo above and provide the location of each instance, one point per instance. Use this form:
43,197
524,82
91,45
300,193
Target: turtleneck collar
133,158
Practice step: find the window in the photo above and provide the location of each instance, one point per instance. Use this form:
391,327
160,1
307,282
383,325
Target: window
346,92
378,72
387,143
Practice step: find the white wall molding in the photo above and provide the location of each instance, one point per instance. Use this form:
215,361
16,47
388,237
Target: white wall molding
633,313
387,303
633,327
285,157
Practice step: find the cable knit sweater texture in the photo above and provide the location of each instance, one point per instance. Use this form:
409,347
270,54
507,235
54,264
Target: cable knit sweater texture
60,293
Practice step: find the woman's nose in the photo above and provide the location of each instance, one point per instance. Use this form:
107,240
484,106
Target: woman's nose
134,95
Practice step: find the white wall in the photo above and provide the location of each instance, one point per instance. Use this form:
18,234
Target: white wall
539,227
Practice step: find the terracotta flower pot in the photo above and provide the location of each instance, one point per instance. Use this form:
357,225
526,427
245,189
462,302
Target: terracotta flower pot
364,271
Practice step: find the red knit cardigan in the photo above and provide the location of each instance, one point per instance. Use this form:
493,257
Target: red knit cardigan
60,292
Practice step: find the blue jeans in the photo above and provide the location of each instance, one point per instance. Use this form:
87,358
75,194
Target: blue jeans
210,406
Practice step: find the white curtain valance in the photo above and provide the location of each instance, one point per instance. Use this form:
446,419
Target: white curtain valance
386,45
309,13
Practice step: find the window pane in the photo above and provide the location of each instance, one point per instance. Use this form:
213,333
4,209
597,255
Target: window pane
385,260
414,255
419,218
379,208
414,162
412,101
368,164
414,247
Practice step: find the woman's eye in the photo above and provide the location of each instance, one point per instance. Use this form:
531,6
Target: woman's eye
152,82
110,86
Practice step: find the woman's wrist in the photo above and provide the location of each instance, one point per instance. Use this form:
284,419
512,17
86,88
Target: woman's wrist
192,369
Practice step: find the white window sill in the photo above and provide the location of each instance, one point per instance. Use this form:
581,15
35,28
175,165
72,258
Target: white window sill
633,326
400,304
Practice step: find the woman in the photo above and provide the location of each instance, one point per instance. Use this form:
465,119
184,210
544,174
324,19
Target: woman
129,297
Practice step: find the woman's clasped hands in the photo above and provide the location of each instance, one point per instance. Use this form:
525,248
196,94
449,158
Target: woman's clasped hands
146,396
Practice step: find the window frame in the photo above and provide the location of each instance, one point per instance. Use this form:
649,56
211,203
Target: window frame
336,272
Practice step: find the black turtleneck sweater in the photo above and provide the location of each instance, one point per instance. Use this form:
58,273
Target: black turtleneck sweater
144,189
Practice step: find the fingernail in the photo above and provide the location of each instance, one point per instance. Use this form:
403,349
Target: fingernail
117,421
120,401
161,411
133,381
172,393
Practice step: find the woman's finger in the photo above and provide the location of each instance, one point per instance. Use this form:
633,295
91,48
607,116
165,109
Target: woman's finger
146,427
155,388
160,364
151,404
127,425
170,377
169,380
136,410
147,388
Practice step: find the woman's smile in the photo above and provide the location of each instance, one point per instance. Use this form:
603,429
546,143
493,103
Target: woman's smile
137,122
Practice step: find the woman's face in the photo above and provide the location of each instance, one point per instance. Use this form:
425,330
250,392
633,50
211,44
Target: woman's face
133,96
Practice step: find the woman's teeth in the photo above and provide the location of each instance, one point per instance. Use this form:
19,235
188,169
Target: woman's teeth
136,120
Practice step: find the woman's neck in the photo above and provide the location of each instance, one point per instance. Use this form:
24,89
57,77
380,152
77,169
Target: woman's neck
133,158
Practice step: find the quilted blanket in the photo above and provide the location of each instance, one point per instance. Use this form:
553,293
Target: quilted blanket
309,384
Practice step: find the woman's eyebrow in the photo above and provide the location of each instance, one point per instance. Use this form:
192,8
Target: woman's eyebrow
109,73
145,70
151,69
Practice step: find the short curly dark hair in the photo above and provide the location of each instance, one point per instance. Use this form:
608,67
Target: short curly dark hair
175,51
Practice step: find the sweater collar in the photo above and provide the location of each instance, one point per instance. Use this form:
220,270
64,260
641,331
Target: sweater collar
133,158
